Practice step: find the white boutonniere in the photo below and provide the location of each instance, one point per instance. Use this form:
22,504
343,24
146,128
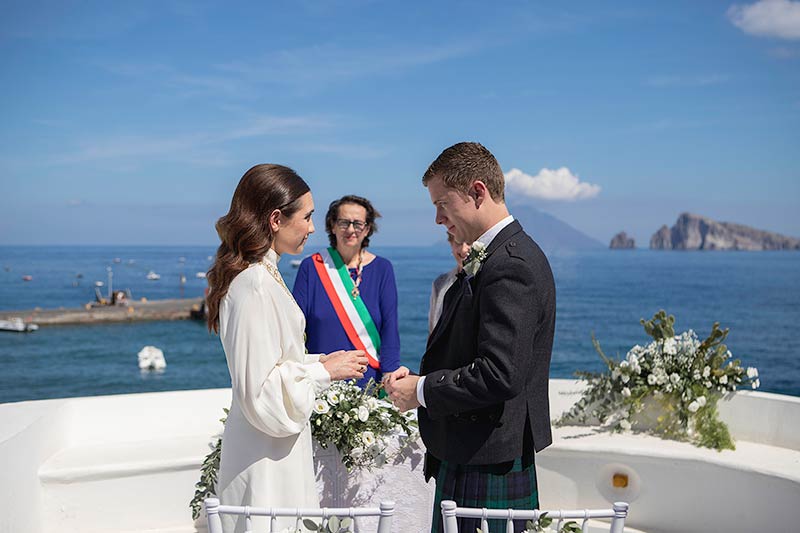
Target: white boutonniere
475,258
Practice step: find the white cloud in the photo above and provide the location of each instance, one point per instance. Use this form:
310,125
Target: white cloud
769,18
560,184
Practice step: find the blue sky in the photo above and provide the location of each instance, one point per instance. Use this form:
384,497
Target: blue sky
132,123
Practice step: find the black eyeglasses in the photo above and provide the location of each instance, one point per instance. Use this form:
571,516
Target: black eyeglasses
357,224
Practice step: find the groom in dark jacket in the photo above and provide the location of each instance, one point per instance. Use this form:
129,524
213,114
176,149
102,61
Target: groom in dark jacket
482,392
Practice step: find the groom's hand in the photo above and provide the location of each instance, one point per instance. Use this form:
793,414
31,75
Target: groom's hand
403,392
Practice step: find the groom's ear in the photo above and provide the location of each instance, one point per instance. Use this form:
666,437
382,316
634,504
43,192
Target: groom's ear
478,192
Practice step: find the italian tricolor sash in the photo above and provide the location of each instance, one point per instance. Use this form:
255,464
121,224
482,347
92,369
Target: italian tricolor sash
352,312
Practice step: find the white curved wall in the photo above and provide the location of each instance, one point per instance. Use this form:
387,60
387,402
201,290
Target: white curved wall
57,453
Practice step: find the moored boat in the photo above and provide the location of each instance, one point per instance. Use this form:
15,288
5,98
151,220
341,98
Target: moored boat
17,325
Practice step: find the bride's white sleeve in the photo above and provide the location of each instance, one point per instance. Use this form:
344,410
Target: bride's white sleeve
276,394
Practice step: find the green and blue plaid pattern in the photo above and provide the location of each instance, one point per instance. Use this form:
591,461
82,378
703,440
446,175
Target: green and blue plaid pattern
490,486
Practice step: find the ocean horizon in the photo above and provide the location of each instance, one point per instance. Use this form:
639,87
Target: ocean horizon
600,292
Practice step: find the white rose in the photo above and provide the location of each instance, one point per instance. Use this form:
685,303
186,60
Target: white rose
674,378
707,384
345,418
321,407
368,438
625,378
706,372
694,406
363,413
752,372
372,403
626,392
333,397
651,379
670,346
756,384
723,380
625,425
702,401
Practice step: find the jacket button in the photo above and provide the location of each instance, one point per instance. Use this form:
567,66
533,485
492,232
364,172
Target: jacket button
457,379
473,418
512,244
441,378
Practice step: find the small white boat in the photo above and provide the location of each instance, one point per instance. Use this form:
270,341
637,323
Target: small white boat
200,275
117,260
16,324
98,283
152,276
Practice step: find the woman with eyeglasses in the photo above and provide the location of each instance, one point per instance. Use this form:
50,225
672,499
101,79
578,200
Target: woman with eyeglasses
348,294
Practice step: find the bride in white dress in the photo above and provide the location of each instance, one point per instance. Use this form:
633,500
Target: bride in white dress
266,448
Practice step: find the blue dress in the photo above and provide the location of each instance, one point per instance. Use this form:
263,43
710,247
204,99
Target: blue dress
324,332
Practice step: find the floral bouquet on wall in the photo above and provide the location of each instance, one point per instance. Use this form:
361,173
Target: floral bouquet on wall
358,423
669,387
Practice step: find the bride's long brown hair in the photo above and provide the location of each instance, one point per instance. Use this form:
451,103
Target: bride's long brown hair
245,231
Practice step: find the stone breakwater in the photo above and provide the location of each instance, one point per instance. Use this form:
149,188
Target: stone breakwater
176,309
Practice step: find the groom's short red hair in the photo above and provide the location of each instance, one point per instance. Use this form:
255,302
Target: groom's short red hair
463,164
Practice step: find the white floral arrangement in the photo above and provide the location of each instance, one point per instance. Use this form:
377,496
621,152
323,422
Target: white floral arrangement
359,423
475,258
678,377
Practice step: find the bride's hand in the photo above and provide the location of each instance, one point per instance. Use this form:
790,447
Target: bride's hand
390,377
345,365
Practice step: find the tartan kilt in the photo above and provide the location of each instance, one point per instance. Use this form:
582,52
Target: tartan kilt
491,486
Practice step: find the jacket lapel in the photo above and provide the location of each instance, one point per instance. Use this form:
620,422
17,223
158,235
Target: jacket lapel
501,238
447,313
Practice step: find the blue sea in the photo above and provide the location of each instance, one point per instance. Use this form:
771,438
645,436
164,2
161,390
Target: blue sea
603,292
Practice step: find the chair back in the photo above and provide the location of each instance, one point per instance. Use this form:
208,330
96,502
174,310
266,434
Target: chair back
385,512
451,512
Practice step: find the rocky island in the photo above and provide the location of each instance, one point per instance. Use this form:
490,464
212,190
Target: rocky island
621,241
695,232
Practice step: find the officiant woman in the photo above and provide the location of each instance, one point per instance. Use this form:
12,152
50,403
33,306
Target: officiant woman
348,294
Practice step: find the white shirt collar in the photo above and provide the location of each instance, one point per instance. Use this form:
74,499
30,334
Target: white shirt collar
271,257
492,232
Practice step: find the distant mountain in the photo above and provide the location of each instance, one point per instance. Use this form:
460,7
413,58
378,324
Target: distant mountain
550,233
695,232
